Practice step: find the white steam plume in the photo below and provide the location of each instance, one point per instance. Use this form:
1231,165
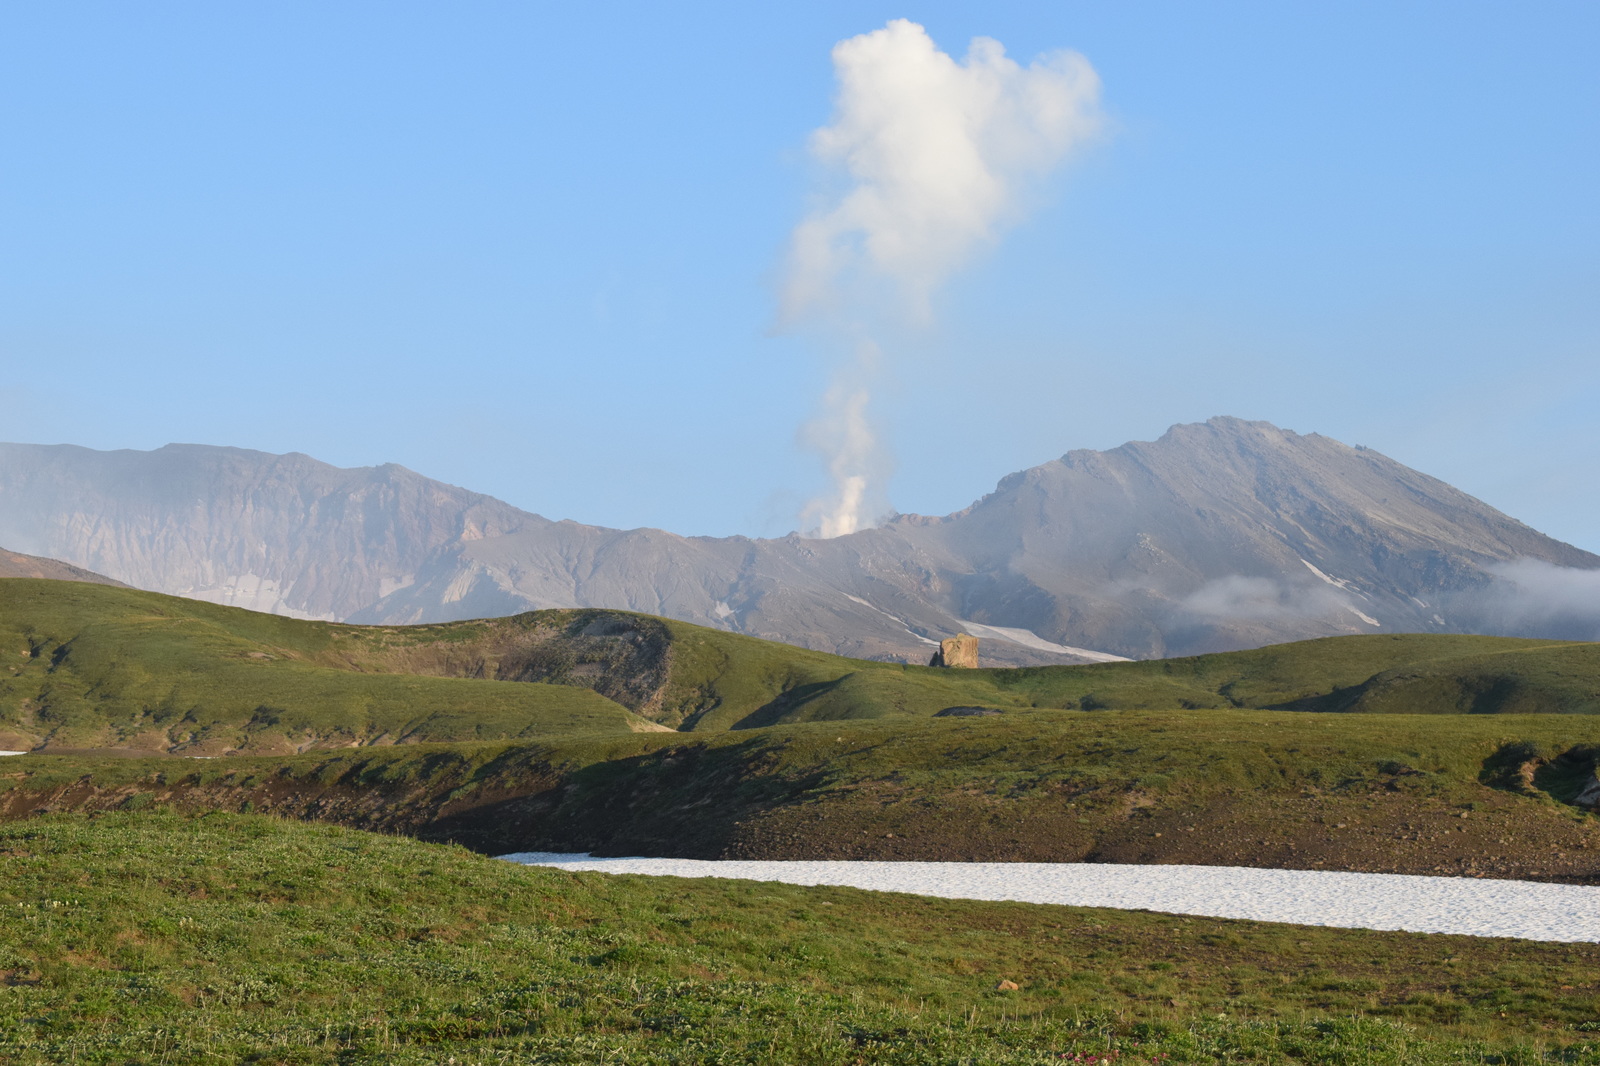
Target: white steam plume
843,433
935,157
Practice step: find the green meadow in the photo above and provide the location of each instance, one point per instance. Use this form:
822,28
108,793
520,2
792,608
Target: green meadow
1465,794
95,667
152,937
246,838
554,730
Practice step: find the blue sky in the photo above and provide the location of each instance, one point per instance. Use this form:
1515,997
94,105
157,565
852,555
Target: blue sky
535,249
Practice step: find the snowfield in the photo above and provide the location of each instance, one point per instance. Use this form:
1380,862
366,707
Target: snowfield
1528,910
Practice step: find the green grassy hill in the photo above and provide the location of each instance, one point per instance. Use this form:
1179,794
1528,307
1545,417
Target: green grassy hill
528,732
1463,794
92,667
101,667
169,921
1405,673
95,667
153,938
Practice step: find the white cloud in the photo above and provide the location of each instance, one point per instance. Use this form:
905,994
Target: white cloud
1533,597
1260,599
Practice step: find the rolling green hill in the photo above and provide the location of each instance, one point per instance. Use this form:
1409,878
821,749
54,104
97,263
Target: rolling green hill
143,672
135,934
100,667
550,730
1405,673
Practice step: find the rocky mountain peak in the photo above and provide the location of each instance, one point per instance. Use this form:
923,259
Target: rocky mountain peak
1223,534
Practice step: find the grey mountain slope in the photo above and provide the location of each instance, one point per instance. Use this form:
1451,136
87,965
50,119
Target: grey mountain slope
15,564
281,533
1203,540
1206,540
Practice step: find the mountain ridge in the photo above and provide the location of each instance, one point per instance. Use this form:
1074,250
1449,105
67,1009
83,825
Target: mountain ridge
1218,535
16,564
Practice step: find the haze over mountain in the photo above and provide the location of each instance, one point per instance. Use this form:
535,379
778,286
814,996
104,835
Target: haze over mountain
1222,535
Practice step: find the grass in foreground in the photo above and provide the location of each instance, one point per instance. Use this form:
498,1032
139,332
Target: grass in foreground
149,938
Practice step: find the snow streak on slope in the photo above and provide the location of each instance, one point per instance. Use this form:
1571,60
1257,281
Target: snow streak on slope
1029,639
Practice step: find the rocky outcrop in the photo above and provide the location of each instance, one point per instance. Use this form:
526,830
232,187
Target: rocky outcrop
959,651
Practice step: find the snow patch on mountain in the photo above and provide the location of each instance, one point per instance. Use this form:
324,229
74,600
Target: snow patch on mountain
886,614
1029,639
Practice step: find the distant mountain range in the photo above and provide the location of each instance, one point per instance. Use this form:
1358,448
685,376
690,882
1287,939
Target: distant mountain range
1219,536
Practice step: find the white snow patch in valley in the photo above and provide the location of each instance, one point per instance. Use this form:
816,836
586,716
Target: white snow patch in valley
1029,639
4,753
1025,637
1367,618
722,610
1465,906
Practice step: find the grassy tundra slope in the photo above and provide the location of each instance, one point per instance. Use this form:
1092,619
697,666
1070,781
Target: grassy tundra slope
541,711
90,667
118,668
167,920
151,938
100,667
1462,794
1405,673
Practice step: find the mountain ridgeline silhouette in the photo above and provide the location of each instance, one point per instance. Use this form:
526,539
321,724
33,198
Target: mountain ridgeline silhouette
15,564
1219,536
